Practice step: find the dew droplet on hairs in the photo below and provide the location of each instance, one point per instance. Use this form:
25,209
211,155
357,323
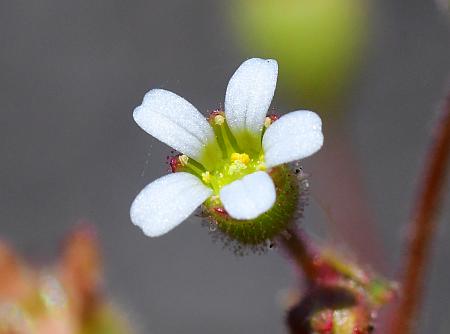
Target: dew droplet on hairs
212,226
270,244
305,184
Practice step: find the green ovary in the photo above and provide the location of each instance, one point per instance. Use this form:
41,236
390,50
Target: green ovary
269,224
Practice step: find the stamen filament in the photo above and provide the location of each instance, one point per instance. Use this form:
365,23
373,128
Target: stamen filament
196,164
231,139
220,140
193,171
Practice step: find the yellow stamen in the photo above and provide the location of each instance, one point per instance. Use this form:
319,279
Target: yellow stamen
183,160
206,177
219,119
267,122
261,166
242,157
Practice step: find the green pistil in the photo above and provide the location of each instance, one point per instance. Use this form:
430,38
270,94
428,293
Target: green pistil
234,168
226,159
226,162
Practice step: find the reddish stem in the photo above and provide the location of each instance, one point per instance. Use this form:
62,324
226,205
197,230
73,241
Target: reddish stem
296,245
423,225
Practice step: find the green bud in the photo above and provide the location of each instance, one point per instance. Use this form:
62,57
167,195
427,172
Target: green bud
330,310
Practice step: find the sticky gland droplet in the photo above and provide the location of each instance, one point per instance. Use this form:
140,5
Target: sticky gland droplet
174,163
221,211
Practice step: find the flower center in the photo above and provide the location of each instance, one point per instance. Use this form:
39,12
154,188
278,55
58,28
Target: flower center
233,161
235,167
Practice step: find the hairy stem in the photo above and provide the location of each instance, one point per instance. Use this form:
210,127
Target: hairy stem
296,246
423,225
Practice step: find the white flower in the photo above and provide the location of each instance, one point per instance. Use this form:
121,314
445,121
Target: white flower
224,159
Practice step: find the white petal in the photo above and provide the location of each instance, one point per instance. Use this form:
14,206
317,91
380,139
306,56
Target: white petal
294,136
166,202
174,121
249,94
249,197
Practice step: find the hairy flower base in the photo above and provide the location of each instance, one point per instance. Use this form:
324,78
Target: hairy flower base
289,203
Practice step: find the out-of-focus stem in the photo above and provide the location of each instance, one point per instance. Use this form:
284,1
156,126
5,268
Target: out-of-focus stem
343,199
298,249
423,225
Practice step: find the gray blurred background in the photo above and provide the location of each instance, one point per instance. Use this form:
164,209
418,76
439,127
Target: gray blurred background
71,73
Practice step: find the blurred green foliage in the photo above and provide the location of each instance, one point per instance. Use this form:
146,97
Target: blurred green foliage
317,43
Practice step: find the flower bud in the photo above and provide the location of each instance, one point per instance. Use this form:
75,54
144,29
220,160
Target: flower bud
64,298
330,310
344,298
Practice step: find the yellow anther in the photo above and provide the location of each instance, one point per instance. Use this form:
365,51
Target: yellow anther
245,158
235,156
219,119
183,159
206,177
261,166
242,157
267,122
